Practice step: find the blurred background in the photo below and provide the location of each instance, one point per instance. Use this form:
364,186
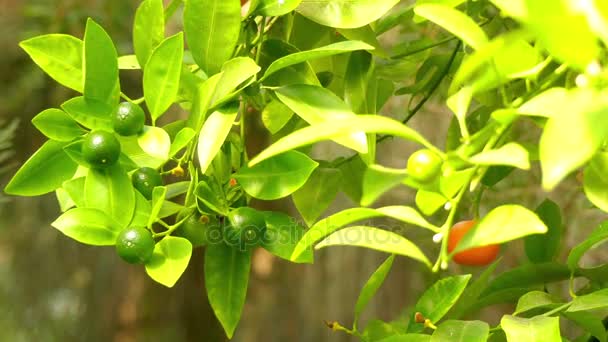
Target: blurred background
54,289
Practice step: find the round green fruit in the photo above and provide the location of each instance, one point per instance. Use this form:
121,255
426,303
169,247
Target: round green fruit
135,245
145,179
245,228
200,229
100,149
128,119
424,165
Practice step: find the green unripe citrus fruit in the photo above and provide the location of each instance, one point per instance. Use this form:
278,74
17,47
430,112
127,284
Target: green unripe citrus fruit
145,179
245,228
424,165
200,229
128,119
135,245
100,149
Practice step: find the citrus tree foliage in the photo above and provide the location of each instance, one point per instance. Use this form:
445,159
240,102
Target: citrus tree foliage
312,71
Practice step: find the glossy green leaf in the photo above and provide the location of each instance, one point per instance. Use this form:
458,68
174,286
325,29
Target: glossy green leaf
510,154
88,226
592,301
148,29
177,188
581,119
472,292
429,202
533,300
313,198
130,146
598,236
212,30
110,191
374,238
537,328
158,198
334,129
169,208
336,221
456,22
275,8
356,79
407,338
100,65
75,189
155,142
315,105
595,181
461,331
141,213
162,74
325,51
226,278
64,200
371,287
544,248
43,172
588,321
353,171
527,276
235,72
345,13
276,177
437,300
128,62
60,56
169,260
502,224
377,330
379,179
282,234
57,125
275,116
203,96
214,133
214,200
545,104
182,139
91,114
367,35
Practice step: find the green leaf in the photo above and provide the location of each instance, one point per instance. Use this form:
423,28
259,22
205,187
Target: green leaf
64,200
345,13
356,79
502,224
317,193
461,331
510,154
110,191
595,181
336,221
276,177
377,330
142,211
544,248
158,199
598,236
275,116
100,65
325,51
456,22
533,300
88,226
182,139
226,278
315,105
592,301
75,189
169,208
169,260
379,179
91,114
155,142
581,119
162,74
214,133
235,72
537,328
527,276
374,238
437,300
131,148
371,287
407,338
282,234
45,171
338,128
589,322
470,295
148,29
545,104
353,171
128,62
274,8
367,35
210,198
57,125
201,102
60,56
429,202
212,31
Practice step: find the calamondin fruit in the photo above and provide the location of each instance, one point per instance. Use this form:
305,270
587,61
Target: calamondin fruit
135,245
424,165
128,119
201,229
100,148
145,179
245,228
